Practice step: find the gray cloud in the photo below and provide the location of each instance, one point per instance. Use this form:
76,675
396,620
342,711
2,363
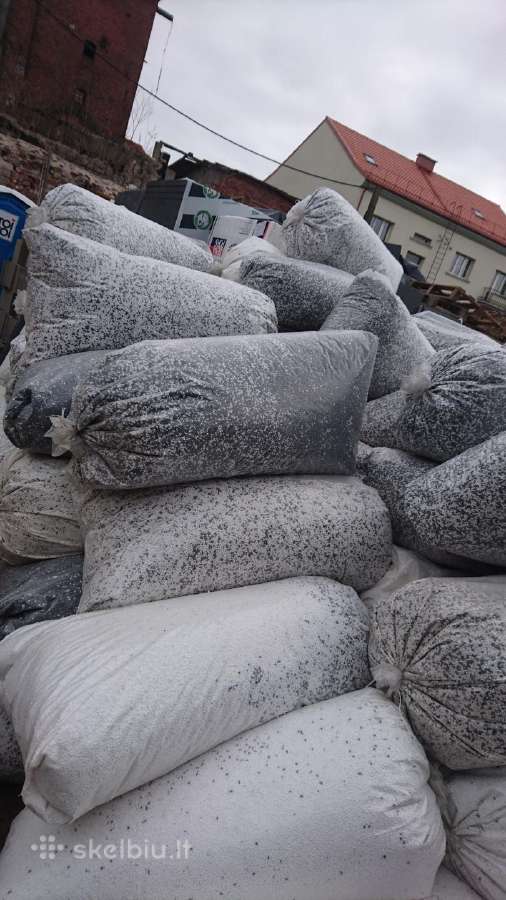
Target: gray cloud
416,75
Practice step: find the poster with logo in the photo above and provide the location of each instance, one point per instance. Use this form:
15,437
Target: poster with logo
200,207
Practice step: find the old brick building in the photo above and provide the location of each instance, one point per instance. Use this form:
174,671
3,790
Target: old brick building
72,63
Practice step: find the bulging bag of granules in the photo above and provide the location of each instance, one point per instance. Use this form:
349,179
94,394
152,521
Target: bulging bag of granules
185,539
163,412
438,647
213,666
346,774
325,228
370,305
80,212
303,292
11,763
87,296
39,591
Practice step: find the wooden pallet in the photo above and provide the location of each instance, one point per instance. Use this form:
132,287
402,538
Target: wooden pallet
481,316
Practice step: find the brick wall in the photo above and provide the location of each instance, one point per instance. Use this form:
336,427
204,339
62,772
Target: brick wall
45,76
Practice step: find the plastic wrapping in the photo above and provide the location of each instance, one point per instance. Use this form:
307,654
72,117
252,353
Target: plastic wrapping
44,390
163,412
11,762
154,544
325,228
443,332
77,210
286,644
448,887
474,814
346,775
37,516
438,647
88,296
458,507
407,566
39,591
370,305
303,292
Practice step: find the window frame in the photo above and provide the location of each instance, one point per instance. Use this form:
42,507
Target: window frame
420,238
501,291
469,263
383,221
420,259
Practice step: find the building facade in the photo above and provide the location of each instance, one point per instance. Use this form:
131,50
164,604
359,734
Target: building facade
453,235
68,66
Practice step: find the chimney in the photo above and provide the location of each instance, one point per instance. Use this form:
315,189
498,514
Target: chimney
425,162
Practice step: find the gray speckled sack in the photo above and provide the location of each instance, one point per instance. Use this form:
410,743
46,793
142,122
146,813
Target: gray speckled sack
459,508
39,591
150,545
41,391
88,296
212,666
302,292
347,775
455,401
371,305
11,762
473,806
163,412
438,647
325,228
444,333
37,515
77,210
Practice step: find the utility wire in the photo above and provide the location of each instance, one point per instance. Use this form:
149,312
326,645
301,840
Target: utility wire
180,112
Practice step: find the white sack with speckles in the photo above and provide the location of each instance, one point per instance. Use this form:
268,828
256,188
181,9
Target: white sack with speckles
442,332
37,514
77,210
149,545
88,296
438,647
163,412
330,801
473,807
325,228
371,305
199,671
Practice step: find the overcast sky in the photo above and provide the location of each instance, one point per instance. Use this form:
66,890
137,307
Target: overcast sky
416,75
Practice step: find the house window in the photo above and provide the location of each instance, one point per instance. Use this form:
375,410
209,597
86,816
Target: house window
381,227
422,239
499,284
370,159
461,265
89,49
414,258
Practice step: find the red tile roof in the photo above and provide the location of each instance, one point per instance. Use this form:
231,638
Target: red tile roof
402,176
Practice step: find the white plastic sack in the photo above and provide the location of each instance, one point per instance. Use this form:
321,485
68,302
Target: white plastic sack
371,305
438,647
458,508
37,515
474,814
88,296
346,775
443,332
406,567
246,248
11,762
448,887
163,412
211,666
154,544
303,292
77,210
325,228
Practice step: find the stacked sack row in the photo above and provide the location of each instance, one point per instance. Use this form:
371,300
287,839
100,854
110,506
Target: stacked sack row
215,694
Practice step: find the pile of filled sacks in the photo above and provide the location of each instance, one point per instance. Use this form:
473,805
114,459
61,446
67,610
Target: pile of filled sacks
260,696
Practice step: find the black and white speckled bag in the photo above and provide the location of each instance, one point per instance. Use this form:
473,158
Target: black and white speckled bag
11,762
163,412
303,292
438,646
371,305
87,296
148,545
80,212
325,228
35,592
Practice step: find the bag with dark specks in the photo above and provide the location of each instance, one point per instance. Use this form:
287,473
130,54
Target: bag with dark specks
11,762
39,591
